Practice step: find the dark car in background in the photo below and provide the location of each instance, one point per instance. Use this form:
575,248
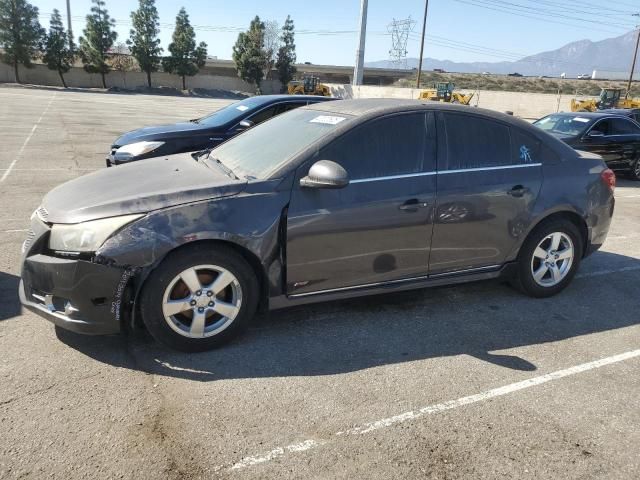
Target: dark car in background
347,206
616,138
203,133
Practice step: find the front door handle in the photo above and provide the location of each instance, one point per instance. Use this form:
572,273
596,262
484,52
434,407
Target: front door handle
413,205
518,191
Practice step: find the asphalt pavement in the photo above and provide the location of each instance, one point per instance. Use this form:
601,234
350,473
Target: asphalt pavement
463,382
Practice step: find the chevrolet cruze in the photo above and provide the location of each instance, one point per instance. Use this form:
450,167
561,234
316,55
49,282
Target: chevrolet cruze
335,200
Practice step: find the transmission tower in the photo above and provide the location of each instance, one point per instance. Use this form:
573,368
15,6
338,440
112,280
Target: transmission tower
400,30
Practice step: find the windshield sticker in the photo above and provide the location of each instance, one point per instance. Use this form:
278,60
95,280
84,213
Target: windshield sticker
242,108
581,119
525,154
327,119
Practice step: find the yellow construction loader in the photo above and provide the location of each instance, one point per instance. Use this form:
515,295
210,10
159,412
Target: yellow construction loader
609,98
444,92
308,86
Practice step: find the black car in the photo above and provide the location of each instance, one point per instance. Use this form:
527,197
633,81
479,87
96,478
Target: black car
348,206
615,137
203,133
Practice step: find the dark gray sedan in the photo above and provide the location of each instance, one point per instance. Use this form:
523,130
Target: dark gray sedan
613,136
324,202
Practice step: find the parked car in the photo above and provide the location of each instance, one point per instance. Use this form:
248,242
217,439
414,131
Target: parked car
615,137
584,76
202,133
346,207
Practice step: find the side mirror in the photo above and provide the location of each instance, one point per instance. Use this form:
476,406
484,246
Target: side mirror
244,124
595,134
325,174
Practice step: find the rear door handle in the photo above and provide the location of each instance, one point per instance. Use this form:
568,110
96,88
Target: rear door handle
518,191
413,205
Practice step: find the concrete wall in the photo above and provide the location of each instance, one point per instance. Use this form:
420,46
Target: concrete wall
525,105
77,77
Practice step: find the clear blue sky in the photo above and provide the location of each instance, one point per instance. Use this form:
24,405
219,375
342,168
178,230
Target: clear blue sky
482,29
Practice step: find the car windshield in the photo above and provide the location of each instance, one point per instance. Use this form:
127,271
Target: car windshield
564,124
266,147
232,112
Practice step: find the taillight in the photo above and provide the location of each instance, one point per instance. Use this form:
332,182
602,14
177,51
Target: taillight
609,178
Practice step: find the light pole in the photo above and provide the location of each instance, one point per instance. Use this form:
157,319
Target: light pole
358,71
69,24
424,26
633,62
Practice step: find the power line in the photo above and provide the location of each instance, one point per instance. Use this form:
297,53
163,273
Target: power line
541,19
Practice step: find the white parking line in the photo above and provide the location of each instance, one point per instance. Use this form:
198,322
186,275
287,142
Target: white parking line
15,160
597,273
437,408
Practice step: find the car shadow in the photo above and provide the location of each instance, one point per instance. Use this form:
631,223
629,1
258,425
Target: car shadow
478,320
9,302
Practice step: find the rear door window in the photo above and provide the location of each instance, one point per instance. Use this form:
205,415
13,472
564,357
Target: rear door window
622,126
394,145
473,142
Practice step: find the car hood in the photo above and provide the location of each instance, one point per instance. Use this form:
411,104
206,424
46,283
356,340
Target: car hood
139,187
160,132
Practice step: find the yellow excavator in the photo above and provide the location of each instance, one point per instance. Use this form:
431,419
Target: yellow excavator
308,86
609,98
445,92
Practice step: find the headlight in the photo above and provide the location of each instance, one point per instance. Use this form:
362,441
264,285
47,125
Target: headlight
87,236
128,152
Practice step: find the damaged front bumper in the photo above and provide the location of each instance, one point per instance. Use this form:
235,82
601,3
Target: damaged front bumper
78,295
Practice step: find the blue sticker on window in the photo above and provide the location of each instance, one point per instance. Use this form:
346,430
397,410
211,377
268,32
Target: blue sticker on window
525,154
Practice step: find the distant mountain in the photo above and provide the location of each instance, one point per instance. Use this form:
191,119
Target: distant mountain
611,57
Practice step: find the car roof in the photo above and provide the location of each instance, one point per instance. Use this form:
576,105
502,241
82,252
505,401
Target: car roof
622,111
373,107
594,115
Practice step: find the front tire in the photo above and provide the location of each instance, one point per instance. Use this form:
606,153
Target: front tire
199,298
549,258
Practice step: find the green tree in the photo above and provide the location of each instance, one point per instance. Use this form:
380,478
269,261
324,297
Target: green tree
58,54
99,37
185,59
249,54
143,41
286,59
20,33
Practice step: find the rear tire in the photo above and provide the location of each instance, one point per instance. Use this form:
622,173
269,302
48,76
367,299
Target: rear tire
635,170
549,258
199,298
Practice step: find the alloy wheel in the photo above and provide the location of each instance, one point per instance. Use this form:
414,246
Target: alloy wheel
202,301
552,259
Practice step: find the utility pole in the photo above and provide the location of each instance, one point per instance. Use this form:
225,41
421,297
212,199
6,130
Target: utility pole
358,71
633,62
424,26
69,24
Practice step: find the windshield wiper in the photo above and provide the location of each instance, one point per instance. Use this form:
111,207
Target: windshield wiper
223,167
195,120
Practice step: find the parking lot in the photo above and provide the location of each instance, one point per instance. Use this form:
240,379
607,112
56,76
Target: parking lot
472,381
